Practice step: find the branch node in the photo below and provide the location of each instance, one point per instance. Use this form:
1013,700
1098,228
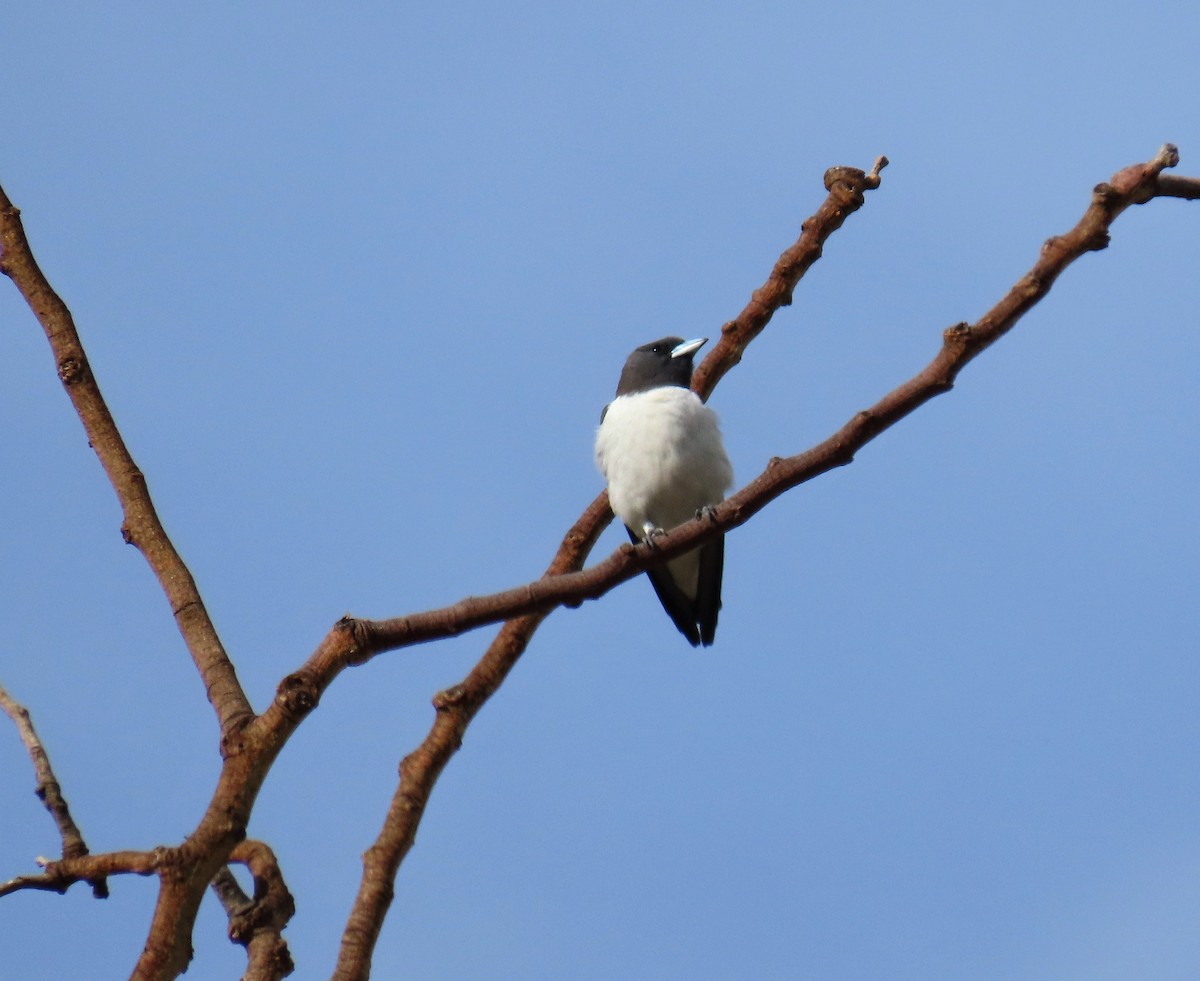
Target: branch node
360,639
1052,243
72,369
447,699
297,694
847,184
870,424
233,739
1140,181
957,336
1167,156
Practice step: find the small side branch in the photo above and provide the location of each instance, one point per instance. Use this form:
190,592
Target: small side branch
257,923
847,187
1173,186
61,875
48,790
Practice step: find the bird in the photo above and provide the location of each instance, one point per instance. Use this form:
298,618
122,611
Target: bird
660,450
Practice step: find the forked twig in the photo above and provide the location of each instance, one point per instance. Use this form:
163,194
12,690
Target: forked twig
48,790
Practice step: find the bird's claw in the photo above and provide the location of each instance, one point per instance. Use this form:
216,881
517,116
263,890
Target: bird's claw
649,533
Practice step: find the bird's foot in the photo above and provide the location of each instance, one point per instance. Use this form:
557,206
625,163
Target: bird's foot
707,512
650,532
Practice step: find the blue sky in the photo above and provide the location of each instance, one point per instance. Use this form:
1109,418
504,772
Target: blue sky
356,284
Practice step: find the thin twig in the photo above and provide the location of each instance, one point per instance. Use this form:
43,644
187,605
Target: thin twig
1172,186
60,875
846,187
230,893
48,790
257,924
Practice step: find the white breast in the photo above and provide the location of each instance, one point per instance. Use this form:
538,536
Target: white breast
662,455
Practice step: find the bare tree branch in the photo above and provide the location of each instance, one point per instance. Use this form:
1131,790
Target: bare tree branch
230,893
48,790
1172,186
257,924
846,187
141,526
61,875
249,750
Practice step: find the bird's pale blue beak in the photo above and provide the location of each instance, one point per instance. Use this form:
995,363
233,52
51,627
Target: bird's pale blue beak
688,347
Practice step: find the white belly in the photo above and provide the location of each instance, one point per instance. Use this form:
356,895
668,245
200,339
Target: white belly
662,455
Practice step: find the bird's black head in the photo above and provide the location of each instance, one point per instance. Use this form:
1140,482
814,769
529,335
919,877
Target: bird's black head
659,364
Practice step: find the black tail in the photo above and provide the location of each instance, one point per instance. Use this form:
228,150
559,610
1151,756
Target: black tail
697,620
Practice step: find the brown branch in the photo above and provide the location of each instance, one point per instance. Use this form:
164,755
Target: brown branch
257,924
846,187
561,584
48,790
61,875
193,864
1171,186
141,526
231,895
